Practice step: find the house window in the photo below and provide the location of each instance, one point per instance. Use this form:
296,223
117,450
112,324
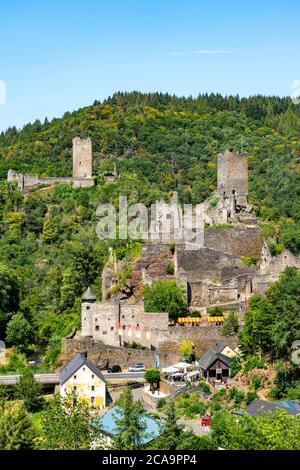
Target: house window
92,400
97,327
75,377
93,388
83,368
74,388
93,376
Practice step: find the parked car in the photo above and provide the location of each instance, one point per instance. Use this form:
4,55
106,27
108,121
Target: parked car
206,420
134,385
114,369
137,368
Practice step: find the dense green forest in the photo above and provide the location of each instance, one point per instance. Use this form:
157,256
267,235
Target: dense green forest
49,251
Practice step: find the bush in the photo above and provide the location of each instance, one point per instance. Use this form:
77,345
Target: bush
235,366
161,403
254,362
215,311
214,202
250,397
256,382
249,261
165,296
195,314
170,269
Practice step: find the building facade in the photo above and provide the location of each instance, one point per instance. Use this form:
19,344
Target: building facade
81,376
118,324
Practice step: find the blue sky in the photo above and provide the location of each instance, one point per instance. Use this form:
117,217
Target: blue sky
57,56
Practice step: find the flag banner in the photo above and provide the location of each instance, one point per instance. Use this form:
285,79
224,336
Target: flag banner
147,332
156,361
138,331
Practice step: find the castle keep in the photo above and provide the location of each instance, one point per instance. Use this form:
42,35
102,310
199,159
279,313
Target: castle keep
82,158
82,169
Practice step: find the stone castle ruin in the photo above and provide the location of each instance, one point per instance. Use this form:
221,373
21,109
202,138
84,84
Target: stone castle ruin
82,170
212,274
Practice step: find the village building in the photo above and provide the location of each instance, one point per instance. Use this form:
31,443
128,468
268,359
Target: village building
265,408
215,364
82,377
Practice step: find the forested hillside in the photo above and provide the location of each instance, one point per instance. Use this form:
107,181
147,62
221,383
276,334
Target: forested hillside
49,251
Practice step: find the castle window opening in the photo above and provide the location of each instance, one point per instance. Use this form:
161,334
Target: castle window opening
97,327
93,388
87,307
112,328
123,316
104,332
124,327
132,316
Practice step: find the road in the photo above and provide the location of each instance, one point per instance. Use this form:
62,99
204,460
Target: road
53,379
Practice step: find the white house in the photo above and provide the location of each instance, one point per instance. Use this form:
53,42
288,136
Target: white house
82,377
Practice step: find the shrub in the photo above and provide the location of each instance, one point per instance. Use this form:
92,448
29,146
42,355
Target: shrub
235,366
253,362
250,397
170,269
249,261
256,382
214,202
161,403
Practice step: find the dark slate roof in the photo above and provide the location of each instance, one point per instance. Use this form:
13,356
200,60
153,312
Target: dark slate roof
259,407
88,295
72,366
108,425
212,355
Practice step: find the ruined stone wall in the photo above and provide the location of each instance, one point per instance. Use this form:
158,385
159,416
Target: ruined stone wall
209,264
104,355
239,241
82,158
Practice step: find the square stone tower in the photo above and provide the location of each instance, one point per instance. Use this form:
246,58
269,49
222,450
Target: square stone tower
233,174
82,158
